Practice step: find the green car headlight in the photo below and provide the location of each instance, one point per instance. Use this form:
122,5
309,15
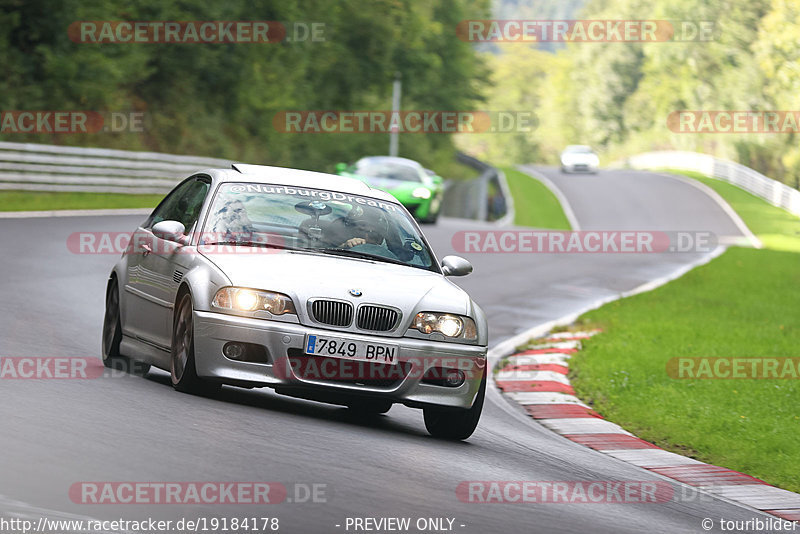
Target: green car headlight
421,192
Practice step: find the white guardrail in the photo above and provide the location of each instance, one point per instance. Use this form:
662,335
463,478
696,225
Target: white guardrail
35,167
773,191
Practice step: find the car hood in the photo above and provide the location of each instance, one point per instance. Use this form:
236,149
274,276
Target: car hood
303,276
389,184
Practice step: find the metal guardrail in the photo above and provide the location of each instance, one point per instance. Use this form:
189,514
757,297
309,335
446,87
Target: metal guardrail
773,191
36,167
470,199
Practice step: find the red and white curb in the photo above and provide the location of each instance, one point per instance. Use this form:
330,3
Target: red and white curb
536,378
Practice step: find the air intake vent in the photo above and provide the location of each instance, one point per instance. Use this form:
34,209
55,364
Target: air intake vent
332,312
177,276
377,318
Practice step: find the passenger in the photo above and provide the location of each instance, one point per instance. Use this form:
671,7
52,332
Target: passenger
231,223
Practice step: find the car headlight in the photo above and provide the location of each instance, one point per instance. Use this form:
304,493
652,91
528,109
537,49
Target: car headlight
447,324
239,299
421,192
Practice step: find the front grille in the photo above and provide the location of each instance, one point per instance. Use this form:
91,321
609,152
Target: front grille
377,318
332,312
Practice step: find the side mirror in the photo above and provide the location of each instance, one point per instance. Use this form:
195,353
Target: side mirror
171,231
341,167
456,266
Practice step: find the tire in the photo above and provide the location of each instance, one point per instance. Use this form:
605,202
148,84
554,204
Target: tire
112,336
455,424
370,407
433,218
183,373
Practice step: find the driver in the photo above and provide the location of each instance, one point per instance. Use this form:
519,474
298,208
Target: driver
366,227
369,229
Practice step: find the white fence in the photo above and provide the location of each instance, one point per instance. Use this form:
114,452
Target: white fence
37,167
772,191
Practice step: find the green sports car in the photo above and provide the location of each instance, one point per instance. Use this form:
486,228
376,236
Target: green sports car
419,189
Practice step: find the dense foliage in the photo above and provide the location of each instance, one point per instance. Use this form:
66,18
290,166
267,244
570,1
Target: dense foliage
617,96
220,99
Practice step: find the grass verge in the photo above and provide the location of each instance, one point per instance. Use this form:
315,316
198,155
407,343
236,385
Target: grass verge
742,304
46,201
534,204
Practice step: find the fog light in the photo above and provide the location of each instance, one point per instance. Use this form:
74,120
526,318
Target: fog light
454,378
234,351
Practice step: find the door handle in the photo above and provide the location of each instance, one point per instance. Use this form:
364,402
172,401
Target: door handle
147,249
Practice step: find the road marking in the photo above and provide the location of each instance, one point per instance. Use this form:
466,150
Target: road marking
740,224
540,397
651,457
761,496
566,415
565,205
590,425
540,359
72,213
539,376
560,344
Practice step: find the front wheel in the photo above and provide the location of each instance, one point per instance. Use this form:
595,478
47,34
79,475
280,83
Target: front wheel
182,369
112,336
454,423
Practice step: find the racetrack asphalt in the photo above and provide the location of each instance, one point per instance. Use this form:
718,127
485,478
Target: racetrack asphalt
126,428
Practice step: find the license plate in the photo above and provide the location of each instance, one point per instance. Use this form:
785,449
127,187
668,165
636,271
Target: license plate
346,349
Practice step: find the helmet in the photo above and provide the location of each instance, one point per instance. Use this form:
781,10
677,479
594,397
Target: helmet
368,220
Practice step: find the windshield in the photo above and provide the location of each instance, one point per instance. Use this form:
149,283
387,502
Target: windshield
316,221
578,149
387,169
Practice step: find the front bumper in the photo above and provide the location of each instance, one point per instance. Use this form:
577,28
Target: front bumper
214,330
579,167
419,207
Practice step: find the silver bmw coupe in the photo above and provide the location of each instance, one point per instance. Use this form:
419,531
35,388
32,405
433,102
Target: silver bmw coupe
312,284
